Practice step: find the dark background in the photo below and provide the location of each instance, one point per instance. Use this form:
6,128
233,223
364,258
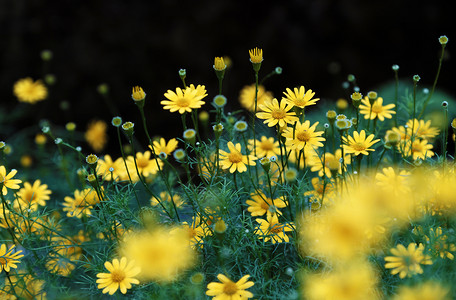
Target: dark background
126,43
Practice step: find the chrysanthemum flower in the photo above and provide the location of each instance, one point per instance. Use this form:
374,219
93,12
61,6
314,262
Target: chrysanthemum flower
8,259
96,135
300,97
320,193
111,170
275,114
260,204
30,196
421,129
78,205
235,160
328,163
439,245
196,232
121,276
247,97
161,254
423,291
265,147
59,265
389,179
138,93
355,280
359,144
166,197
418,149
24,286
7,181
272,230
378,110
303,136
146,165
165,147
27,90
228,289
407,261
256,55
184,100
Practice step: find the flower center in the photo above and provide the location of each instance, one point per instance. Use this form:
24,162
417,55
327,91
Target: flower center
182,102
303,136
358,146
29,195
235,157
266,146
142,162
230,288
3,261
278,114
118,275
299,102
377,108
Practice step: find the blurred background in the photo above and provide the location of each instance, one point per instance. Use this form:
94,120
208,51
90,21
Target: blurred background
126,43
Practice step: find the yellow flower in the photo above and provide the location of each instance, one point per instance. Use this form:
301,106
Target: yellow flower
59,265
162,146
324,164
359,144
111,170
228,289
275,114
96,135
388,179
146,165
272,230
378,110
25,286
121,276
196,232
247,97
162,254
266,147
219,64
166,197
421,129
8,259
299,97
77,206
7,181
235,160
423,291
407,261
260,204
419,149
256,55
31,196
437,242
184,100
303,136
26,90
138,94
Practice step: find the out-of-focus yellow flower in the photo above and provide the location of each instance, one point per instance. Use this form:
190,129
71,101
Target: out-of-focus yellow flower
407,261
27,90
423,291
96,135
247,96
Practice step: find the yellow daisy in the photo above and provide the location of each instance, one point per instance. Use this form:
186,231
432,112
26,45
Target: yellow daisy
265,147
165,147
359,144
184,100
423,291
96,135
389,179
227,289
8,259
256,55
259,204
300,97
247,97
272,230
275,114
407,261
235,160
421,129
196,232
418,149
303,136
7,181
111,170
27,90
77,206
121,276
146,165
439,245
31,196
378,110
324,164
165,197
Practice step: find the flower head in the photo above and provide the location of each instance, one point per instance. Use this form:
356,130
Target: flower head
7,181
33,195
163,146
96,135
265,146
228,289
377,110
359,144
423,291
256,55
240,126
184,100
121,275
260,205
138,93
219,64
27,90
272,230
443,40
275,114
8,259
407,261
300,97
247,96
303,136
235,160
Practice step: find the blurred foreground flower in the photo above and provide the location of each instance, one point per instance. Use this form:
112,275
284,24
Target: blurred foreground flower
96,135
27,90
229,289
